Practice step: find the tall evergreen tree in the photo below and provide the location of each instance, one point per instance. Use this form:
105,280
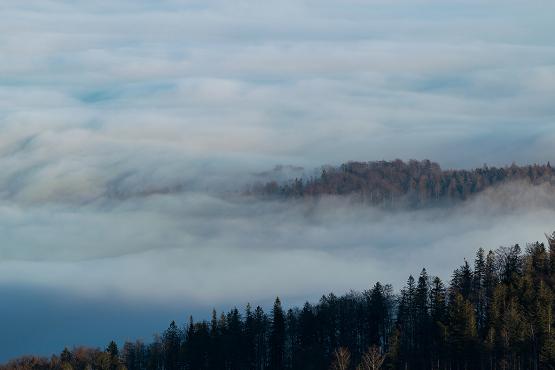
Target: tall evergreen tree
277,337
113,353
171,343
248,341
260,337
308,339
422,321
478,292
462,332
438,319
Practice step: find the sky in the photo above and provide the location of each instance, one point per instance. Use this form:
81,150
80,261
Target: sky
127,128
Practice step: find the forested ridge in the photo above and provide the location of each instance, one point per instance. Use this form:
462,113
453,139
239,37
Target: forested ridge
413,183
496,312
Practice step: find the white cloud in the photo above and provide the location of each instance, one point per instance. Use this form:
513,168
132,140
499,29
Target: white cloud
108,108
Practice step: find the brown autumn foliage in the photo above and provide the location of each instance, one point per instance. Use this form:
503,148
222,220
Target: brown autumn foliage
414,183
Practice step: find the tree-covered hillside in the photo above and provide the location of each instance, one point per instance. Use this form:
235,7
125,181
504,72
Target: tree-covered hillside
415,183
495,313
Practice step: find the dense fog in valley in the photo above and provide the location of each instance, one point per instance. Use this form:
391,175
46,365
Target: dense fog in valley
130,133
165,255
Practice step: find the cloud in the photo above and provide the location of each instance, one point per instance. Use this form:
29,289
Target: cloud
190,247
165,256
336,82
126,129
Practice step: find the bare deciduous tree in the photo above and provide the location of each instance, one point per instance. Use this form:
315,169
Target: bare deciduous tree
342,359
372,360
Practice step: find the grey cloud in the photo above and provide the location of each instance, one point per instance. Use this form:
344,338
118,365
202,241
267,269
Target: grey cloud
203,248
127,128
192,251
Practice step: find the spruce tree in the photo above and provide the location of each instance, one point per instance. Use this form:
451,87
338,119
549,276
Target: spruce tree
248,342
113,353
438,319
171,342
277,337
462,331
478,292
260,335
422,320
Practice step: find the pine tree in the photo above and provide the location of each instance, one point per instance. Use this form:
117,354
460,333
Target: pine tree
464,283
248,343
260,336
545,347
462,331
551,241
291,335
232,341
406,322
422,321
510,263
307,350
490,281
377,316
478,291
277,337
113,352
327,322
513,332
438,318
171,343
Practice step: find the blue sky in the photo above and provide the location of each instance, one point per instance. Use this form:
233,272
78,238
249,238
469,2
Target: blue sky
103,103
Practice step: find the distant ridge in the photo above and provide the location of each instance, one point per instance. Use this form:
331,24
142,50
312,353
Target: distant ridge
414,183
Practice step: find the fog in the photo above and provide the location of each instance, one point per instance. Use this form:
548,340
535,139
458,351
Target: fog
129,129
124,268
195,248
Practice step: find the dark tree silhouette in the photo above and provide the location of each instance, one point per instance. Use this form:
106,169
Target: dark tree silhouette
496,314
277,337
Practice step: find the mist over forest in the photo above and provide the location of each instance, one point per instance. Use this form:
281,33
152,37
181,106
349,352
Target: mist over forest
226,248
161,159
492,313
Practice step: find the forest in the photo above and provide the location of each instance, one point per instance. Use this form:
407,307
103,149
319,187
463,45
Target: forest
496,312
397,183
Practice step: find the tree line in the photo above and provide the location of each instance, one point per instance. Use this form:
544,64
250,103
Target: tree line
496,312
413,183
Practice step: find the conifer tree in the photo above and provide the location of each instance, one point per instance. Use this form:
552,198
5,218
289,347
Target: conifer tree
307,351
248,342
438,319
277,337
462,331
422,321
113,352
260,338
171,343
377,316
478,291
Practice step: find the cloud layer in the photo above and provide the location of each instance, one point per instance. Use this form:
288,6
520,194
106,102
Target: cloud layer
125,128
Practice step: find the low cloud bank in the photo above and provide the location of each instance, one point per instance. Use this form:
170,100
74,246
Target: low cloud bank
126,129
123,269
206,249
